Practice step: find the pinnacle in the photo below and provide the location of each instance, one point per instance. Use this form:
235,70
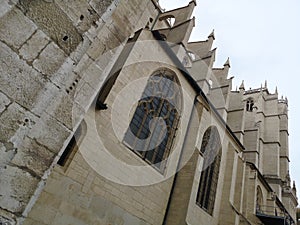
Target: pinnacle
212,35
193,1
227,63
242,85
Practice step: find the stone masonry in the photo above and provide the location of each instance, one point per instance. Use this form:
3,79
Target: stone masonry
49,72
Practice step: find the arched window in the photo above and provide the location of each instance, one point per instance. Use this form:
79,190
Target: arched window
212,152
153,126
249,105
259,199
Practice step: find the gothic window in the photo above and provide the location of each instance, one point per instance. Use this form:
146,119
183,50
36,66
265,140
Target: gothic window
153,126
212,152
249,105
259,199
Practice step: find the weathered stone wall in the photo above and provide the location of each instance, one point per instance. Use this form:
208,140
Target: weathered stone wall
127,190
80,193
50,71
55,56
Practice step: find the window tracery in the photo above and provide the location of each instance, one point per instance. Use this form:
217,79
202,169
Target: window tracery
211,150
250,105
153,126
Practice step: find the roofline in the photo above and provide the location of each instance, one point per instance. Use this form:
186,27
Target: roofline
157,6
193,83
263,180
182,7
260,176
178,25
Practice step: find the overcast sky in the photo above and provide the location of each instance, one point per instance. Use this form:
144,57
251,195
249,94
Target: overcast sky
262,39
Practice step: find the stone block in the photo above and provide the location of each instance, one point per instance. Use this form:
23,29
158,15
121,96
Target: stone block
106,40
121,16
101,6
53,183
83,96
96,49
50,200
51,19
7,218
64,76
115,30
4,102
46,96
17,186
31,49
80,12
50,60
81,49
5,7
33,156
67,208
94,30
30,221
18,80
93,75
43,213
15,28
50,133
61,219
83,64
65,110
111,40
7,152
15,121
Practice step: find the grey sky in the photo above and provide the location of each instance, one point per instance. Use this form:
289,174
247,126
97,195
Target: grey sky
262,40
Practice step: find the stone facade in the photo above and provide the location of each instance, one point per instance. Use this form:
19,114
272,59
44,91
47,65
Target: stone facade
72,75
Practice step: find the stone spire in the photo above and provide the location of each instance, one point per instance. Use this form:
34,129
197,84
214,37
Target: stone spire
242,87
227,63
261,90
212,35
211,39
294,187
288,179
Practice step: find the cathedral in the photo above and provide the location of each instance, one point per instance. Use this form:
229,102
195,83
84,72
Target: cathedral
109,115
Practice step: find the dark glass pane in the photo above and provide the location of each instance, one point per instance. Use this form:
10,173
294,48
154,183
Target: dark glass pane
134,129
149,155
161,151
158,101
210,148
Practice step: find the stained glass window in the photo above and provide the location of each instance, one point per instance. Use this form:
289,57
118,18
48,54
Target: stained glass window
211,150
153,126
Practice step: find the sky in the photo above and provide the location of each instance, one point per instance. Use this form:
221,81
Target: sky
262,40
